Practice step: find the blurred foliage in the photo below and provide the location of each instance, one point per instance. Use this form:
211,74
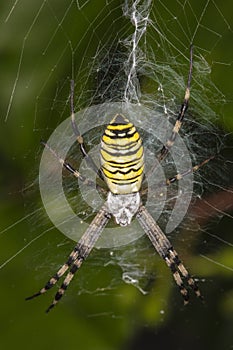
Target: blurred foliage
108,314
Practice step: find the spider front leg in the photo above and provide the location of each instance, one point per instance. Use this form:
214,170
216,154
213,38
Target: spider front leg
79,137
165,149
75,172
166,251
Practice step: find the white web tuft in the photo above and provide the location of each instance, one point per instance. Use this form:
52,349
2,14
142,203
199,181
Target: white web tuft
138,12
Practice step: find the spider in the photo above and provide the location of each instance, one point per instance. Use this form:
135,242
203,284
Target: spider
122,169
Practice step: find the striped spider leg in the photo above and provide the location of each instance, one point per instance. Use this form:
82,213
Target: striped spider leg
85,244
75,172
179,176
165,149
161,242
79,137
167,252
77,256
153,231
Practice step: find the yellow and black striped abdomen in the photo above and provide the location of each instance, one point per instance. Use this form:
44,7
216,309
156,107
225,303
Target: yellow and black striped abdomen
122,158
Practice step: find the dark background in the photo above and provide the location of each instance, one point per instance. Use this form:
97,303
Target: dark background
100,311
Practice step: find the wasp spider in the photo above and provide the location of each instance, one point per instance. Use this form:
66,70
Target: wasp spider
122,168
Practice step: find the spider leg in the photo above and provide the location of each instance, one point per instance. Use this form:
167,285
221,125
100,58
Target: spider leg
79,137
75,172
191,282
76,265
166,251
178,176
53,280
77,256
165,149
171,264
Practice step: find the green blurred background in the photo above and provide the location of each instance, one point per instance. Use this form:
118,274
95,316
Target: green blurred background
100,311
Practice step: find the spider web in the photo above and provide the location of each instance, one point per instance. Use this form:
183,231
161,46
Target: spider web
117,51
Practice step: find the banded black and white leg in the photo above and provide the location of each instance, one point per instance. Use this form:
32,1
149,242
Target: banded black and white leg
165,149
77,256
79,137
178,176
166,251
75,172
180,273
53,280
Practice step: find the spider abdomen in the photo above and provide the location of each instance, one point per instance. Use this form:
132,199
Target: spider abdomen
122,156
